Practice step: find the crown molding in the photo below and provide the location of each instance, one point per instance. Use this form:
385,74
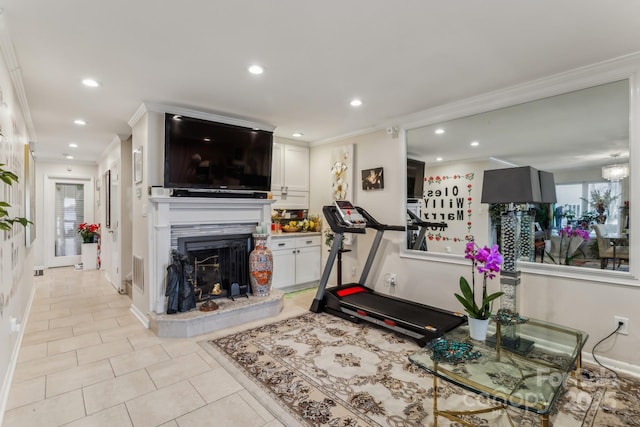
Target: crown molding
151,107
620,68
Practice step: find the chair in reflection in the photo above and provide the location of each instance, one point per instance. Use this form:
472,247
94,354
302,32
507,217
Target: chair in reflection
609,245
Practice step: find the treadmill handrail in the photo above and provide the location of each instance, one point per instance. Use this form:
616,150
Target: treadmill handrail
416,221
337,225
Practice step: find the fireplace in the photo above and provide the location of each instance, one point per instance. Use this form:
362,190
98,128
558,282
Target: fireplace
221,262
174,218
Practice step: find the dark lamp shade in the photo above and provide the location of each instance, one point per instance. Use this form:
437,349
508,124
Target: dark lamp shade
514,185
547,187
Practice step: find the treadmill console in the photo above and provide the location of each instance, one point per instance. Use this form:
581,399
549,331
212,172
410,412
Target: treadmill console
350,215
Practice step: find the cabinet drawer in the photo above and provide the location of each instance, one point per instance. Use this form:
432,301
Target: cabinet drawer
278,244
302,242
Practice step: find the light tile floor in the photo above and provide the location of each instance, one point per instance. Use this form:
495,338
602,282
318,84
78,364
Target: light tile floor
85,360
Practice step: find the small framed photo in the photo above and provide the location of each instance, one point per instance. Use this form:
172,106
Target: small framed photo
137,165
372,179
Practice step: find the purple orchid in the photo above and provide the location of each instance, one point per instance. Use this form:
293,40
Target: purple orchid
486,261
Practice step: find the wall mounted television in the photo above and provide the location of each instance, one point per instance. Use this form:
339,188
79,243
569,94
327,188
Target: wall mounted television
201,154
415,179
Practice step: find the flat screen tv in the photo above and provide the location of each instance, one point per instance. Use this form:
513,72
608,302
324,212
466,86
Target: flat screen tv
415,179
217,156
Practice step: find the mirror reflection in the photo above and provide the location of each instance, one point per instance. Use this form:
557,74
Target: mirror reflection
582,137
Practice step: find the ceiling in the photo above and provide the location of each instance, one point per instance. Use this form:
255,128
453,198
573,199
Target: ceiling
397,57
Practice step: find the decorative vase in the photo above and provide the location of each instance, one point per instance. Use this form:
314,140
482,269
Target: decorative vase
260,266
478,328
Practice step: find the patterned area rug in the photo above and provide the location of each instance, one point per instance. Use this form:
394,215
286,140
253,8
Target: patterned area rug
320,370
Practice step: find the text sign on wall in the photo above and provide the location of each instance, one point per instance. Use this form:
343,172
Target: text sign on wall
448,199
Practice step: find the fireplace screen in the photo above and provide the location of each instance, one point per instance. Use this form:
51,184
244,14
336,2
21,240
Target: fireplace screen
218,261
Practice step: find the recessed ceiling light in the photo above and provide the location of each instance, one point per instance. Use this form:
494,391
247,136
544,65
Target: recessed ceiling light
177,117
90,83
439,131
474,143
356,102
256,69
68,156
297,134
73,145
79,122
438,159
207,139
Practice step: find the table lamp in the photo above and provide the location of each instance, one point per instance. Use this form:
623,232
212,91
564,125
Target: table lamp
516,186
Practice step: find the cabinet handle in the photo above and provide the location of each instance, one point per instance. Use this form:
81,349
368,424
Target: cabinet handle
281,244
309,242
298,250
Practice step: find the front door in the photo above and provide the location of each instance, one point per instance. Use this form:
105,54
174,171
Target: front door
72,204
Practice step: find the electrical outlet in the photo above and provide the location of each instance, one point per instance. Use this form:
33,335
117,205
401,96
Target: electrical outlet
353,272
624,329
392,279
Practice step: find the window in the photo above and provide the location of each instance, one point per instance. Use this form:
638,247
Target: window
577,200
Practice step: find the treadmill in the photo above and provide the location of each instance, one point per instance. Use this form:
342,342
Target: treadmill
415,223
356,302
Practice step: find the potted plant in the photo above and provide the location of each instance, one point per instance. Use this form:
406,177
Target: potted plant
5,222
487,262
89,232
601,201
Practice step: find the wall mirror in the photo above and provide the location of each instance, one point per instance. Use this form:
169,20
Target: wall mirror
578,135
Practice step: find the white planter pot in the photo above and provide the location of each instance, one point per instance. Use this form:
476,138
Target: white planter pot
89,256
478,328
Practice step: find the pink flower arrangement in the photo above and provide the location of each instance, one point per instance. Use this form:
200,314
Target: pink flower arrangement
88,231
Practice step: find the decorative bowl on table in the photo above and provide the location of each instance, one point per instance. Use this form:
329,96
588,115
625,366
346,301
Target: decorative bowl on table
291,228
453,352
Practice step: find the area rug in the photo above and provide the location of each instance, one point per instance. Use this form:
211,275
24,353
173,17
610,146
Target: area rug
320,370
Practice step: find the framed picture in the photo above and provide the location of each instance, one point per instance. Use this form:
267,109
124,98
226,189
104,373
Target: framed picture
137,165
107,198
372,179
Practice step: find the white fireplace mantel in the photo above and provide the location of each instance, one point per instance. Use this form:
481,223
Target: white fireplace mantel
166,212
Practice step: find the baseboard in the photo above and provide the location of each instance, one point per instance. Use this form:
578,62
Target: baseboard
140,316
8,379
616,365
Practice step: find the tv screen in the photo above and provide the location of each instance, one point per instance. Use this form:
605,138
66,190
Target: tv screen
210,155
415,179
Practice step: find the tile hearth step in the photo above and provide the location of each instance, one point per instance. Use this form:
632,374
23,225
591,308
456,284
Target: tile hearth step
229,313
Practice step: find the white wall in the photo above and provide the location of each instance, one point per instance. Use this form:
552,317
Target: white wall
16,260
582,304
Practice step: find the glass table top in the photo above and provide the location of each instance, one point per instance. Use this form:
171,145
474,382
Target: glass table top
526,370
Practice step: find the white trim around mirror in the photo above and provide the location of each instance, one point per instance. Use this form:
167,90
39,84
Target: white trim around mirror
627,67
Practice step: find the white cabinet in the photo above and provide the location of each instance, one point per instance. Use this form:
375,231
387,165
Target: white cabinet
296,260
290,176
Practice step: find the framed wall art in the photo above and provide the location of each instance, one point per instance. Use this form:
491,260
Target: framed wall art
372,179
107,198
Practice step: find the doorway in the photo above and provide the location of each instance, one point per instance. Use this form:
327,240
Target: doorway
72,204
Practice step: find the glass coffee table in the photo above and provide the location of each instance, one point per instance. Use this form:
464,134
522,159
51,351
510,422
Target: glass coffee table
499,368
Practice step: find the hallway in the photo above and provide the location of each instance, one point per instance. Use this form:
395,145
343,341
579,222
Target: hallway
85,360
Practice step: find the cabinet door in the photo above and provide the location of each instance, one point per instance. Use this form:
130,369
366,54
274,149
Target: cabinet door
296,168
284,268
308,264
277,165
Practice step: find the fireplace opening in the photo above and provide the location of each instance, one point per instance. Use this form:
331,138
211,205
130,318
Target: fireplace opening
221,264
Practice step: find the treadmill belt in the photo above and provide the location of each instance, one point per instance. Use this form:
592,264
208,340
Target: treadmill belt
402,311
